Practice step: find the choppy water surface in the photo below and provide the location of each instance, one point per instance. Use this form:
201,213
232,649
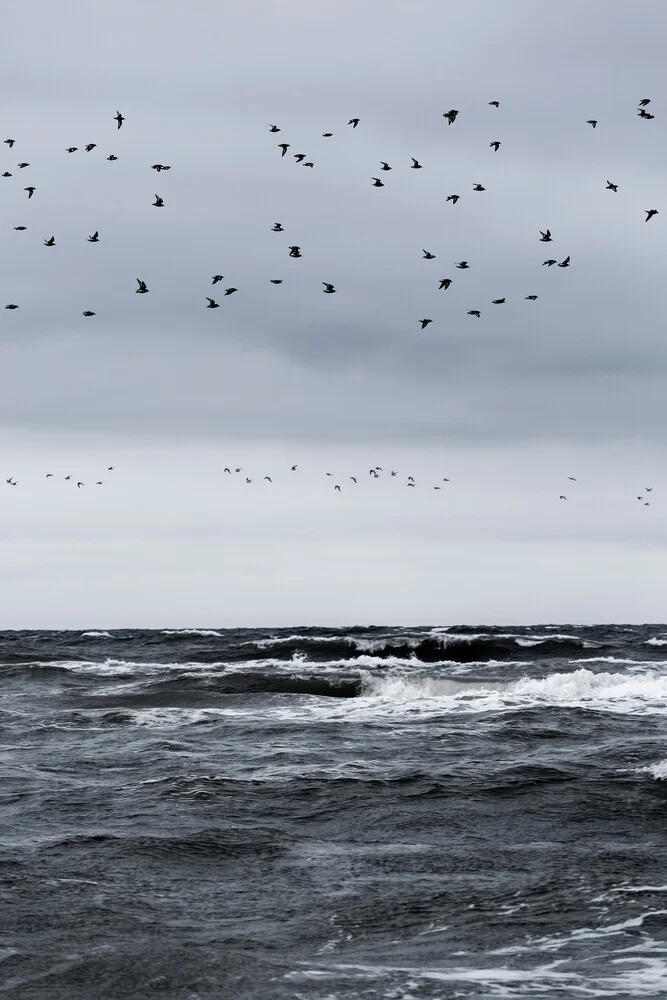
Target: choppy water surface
334,814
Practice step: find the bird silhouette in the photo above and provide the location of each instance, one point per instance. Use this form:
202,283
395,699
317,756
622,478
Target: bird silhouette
273,128
71,149
31,191
497,302
428,255
12,305
644,101
592,121
284,146
112,157
532,298
424,322
51,242
91,146
377,182
463,265
445,283
95,238
308,164
450,116
158,203
495,104
295,252
142,289
478,187
217,278
650,212
212,304
21,228
453,198
7,174
645,114
385,166
416,165
277,228
611,187
276,281
545,237
230,291
119,118
299,157
88,312
22,165
354,122
328,288
337,488
474,312
565,262
548,263
10,142
495,145
562,497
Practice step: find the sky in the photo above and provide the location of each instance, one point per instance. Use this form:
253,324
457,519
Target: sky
506,407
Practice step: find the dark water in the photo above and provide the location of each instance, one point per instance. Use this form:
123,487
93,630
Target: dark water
334,814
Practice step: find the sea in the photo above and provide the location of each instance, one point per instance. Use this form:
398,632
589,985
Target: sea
333,814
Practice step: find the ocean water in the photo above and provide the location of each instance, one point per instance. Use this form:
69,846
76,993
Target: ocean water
334,813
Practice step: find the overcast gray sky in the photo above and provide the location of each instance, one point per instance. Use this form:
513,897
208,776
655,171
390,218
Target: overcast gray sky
169,393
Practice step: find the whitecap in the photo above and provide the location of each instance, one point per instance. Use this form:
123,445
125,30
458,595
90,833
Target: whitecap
191,631
95,635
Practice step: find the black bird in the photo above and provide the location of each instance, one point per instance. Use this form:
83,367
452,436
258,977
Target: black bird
495,104
109,468
299,157
22,165
353,478
650,212
645,114
217,278
497,302
353,122
410,484
561,497
496,145
157,166
50,242
411,479
478,187
565,263
248,480
229,471
428,255
230,291
453,198
462,265
308,164
549,263
49,475
277,228
71,149
611,187
119,118
95,238
445,283
394,473
284,146
273,128
91,146
269,478
11,305
31,191
531,297
158,203
276,281
337,488
294,468
545,237
295,252
474,312
21,228
424,322
99,482
372,472
450,116
88,312
416,165
112,157
327,135
385,166
79,485
592,121
377,182
212,304
67,477
10,142
644,101
649,489
572,478
142,289
6,174
328,288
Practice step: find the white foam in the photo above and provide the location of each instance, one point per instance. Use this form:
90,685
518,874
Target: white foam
657,770
191,631
655,641
106,635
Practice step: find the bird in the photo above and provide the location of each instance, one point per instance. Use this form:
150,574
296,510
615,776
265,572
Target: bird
277,228
7,174
327,135
284,146
478,187
424,322
545,237
462,265
353,478
273,128
212,304
294,468
337,488
67,477
71,149
299,157
49,475
248,480
495,145
308,164
119,118
572,478
644,101
377,182
20,228
295,252
328,288
565,262
645,114
450,116
268,478
410,484
229,471
353,122
22,165
91,146
650,212
99,482
112,157
230,291
50,242
474,312
31,191
436,487
142,289
445,283
532,298
372,472
411,479
12,305
79,485
385,166
548,263
276,281
109,468
217,278
416,165
428,255
611,187
394,473
592,121
95,238
649,489
453,198
10,142
497,302
562,497
88,312
495,104
158,203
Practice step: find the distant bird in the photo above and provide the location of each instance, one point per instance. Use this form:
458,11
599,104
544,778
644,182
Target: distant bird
95,238
385,166
445,283
412,484
649,489
109,468
549,263
327,135
453,198
284,146
112,157
353,478
462,265
562,497
248,480
276,281
644,101
611,187
565,262
22,165
157,166
416,165
294,468
49,475
217,278
497,302
295,252
645,114
158,203
50,242
377,182
353,122
495,104
337,488
91,146
12,305
71,149
428,255
277,228
372,472
478,187
394,473
21,228
328,288
650,212
424,322
474,312
10,142
79,485
591,121
308,164
230,291
299,157
212,304
545,237
450,116
411,479
268,478
99,482
119,118
273,128
532,298
7,174
88,312
572,478
67,477
495,145
31,191
142,289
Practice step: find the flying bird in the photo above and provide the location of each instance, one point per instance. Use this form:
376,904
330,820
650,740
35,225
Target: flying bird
450,116
565,262
416,165
548,263
385,166
428,255
71,149
10,142
645,114
592,121
474,312
495,145
532,298
353,122
545,237
7,174
277,228
308,164
611,187
495,104
79,485
273,128
268,478
88,312
50,242
91,146
299,157
424,322
295,252
21,228
337,488
327,135
119,118
377,182
217,278
572,478
22,165
31,191
230,291
650,212
644,101
328,288
95,238
112,157
445,283
276,281
497,302
462,265
12,305
158,203
284,146
453,198
212,304
478,187
294,468
562,497
142,289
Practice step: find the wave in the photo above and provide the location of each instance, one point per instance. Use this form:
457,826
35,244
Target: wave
655,641
657,770
193,631
96,635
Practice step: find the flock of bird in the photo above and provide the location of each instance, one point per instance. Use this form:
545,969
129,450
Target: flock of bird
295,251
